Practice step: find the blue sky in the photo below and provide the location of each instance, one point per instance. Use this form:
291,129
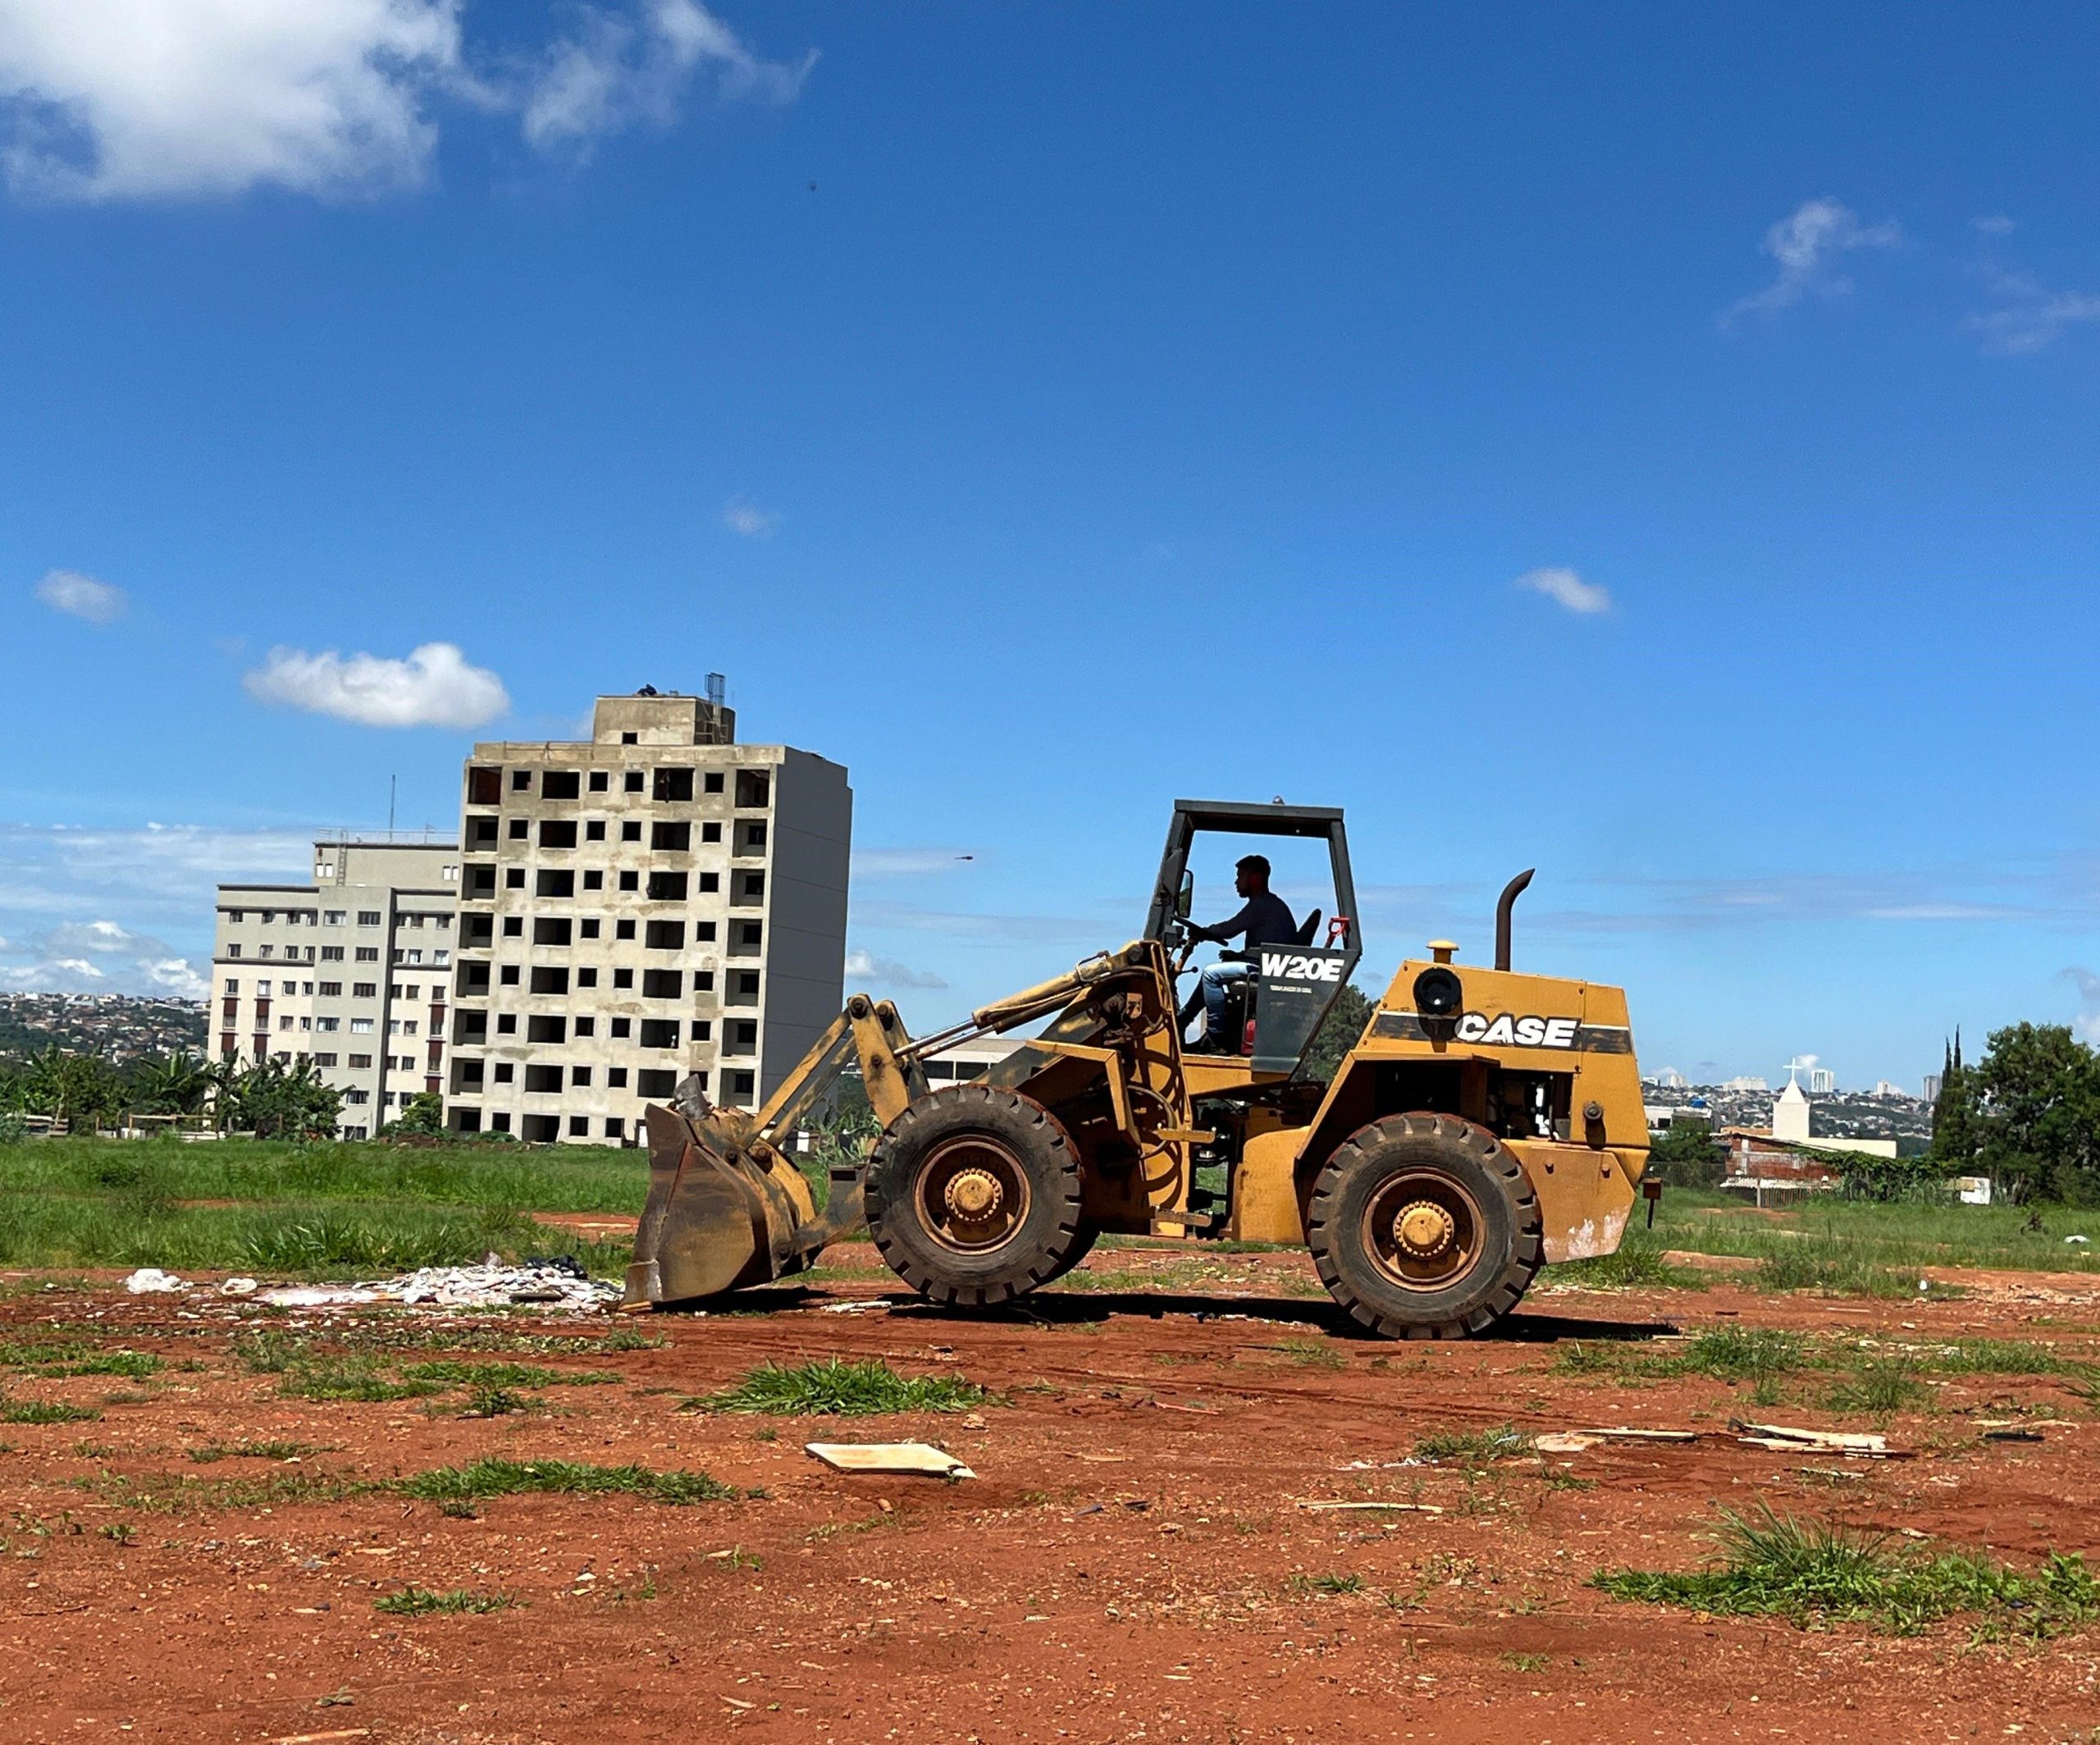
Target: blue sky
1653,446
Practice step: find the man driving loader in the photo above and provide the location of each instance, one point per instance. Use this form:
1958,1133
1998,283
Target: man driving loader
1265,918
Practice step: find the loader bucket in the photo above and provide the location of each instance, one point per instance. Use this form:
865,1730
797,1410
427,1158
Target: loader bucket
724,1211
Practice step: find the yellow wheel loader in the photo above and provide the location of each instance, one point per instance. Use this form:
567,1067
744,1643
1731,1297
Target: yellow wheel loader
1483,1124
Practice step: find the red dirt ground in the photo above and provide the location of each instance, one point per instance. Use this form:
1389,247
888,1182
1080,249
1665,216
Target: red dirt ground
1132,1563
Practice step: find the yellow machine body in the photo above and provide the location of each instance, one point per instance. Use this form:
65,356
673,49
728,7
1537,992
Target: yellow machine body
1171,1142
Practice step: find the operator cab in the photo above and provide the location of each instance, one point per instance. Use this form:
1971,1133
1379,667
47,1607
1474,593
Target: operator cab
1273,1012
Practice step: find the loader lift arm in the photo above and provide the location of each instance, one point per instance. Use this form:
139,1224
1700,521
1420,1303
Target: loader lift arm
729,1208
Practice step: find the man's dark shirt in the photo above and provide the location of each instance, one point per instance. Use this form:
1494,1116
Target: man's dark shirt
1265,921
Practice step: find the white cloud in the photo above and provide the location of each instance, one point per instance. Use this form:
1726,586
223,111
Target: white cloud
130,99
1993,224
434,686
68,591
113,99
2029,317
616,70
863,967
100,957
741,515
1806,244
92,908
1565,588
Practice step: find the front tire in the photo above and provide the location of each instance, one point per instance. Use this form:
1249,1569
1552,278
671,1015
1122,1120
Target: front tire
973,1196
1424,1227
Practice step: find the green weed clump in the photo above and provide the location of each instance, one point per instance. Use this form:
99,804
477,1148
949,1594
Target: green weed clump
76,1357
45,1412
1325,1584
421,1602
1882,1386
1473,1447
1814,1572
1831,1267
205,1453
836,1388
450,1372
494,1477
1639,1264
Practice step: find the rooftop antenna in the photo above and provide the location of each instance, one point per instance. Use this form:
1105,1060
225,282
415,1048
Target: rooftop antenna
390,782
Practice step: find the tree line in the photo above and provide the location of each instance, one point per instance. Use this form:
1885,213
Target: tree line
273,1099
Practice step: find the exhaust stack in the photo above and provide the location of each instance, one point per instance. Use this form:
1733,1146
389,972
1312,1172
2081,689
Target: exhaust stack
1508,901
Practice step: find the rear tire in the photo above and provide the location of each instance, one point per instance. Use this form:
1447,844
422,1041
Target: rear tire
973,1196
1424,1227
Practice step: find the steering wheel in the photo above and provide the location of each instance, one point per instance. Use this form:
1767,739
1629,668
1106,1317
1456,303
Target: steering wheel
1190,940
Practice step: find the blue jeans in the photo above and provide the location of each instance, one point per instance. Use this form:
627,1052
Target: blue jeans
1214,981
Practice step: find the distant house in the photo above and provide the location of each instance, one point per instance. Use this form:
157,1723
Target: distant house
1785,1157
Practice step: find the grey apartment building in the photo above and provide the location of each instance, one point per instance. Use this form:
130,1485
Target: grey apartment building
656,901
350,972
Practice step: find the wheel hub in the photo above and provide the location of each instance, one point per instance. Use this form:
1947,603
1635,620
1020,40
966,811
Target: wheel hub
974,1196
1423,1230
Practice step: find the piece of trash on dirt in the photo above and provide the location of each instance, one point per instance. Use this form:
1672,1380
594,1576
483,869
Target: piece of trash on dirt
238,1287
1788,1439
2013,1433
863,1305
1170,1405
1574,1441
1323,1506
918,1458
975,1421
2026,1423
148,1280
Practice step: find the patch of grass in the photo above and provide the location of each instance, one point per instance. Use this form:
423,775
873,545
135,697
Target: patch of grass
1639,1264
1759,1356
167,1493
1902,1239
1814,1572
1526,1662
498,1402
270,1352
421,1602
1997,1357
1473,1447
46,1412
1327,1584
1831,1267
1882,1386
74,1358
450,1372
1310,1353
494,1477
207,1452
1741,1354
337,1379
833,1387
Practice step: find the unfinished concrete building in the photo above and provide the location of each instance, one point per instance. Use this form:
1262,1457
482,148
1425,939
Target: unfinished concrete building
350,972
657,901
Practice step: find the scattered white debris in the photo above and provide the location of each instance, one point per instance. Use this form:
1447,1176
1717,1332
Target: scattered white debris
1324,1506
149,1280
559,1283
889,1457
238,1287
1574,1441
863,1305
2081,1241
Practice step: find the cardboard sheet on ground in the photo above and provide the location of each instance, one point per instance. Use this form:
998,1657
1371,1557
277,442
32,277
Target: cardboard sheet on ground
1789,1439
919,1458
